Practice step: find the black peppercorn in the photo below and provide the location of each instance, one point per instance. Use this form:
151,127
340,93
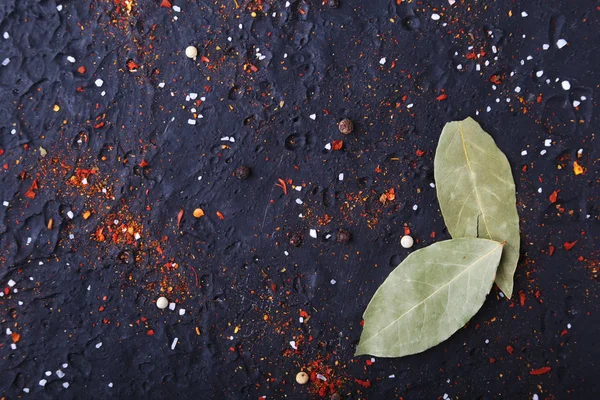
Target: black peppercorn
295,239
342,236
242,172
346,126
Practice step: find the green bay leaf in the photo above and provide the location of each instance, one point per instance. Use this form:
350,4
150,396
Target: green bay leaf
476,192
429,296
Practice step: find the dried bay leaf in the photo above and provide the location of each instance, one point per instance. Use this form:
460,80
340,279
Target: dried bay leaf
476,192
429,296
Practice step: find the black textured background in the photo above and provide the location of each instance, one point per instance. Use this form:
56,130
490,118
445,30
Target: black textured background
72,293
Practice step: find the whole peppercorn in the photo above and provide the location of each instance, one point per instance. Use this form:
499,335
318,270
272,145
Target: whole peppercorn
242,172
346,126
342,236
302,377
295,239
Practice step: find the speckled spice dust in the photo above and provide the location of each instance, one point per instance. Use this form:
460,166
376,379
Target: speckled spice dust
111,138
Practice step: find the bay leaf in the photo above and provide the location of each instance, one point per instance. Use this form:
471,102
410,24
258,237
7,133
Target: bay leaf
476,192
429,296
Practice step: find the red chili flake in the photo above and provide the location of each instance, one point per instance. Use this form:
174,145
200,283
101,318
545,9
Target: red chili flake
551,250
337,145
362,322
442,97
539,98
522,298
365,384
179,216
143,164
369,362
15,337
1,152
564,332
132,66
406,230
204,59
569,245
165,4
420,153
553,196
273,286
540,371
81,70
496,79
30,193
220,215
471,56
150,332
492,360
510,349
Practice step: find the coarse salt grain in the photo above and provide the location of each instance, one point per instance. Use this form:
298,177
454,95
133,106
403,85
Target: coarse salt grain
341,177
98,345
99,82
43,382
71,59
561,43
539,73
565,85
545,46
70,214
435,17
6,61
333,281
524,153
576,103
174,343
182,311
172,306
65,385
313,233
542,152
293,344
192,121
176,8
60,374
313,116
5,203
382,61
11,283
298,201
518,89
524,14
